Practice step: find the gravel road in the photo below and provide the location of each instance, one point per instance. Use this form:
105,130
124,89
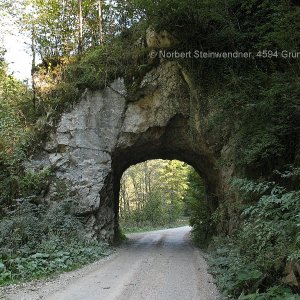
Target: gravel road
157,265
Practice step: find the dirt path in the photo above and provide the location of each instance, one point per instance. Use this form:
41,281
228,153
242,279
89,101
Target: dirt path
158,265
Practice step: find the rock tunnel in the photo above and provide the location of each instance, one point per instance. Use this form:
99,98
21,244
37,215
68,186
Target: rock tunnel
105,133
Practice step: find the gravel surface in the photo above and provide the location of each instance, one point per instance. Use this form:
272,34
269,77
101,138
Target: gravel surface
158,265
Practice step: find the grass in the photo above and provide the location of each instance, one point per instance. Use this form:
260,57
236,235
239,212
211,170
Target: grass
129,228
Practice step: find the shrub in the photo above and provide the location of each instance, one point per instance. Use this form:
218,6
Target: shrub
251,263
37,240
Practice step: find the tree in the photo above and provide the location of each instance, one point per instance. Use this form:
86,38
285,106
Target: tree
153,191
61,28
80,28
196,207
100,16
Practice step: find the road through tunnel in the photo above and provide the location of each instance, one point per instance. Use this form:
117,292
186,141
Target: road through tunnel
169,143
162,193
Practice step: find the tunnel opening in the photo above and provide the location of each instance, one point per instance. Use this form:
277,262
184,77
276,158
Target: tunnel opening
157,194
162,192
171,142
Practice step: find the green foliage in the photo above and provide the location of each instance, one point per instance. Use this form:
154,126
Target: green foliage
16,134
254,101
156,211
37,240
102,64
152,193
267,117
217,25
63,257
240,278
153,210
119,58
233,272
256,256
53,25
18,184
272,226
276,293
14,100
198,211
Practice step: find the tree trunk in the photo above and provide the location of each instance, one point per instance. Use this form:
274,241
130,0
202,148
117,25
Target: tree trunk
80,29
33,63
100,16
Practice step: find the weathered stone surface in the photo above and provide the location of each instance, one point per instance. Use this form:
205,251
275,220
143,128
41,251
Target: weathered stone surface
292,273
163,39
105,133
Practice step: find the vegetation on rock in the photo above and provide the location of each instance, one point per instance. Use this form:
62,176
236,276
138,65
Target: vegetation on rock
256,108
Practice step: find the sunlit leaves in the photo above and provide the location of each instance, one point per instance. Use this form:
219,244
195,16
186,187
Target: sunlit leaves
152,192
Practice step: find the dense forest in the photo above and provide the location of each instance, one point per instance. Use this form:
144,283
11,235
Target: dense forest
153,193
161,193
78,45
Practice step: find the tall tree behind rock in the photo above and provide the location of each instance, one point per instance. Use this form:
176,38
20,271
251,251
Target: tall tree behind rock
100,16
158,185
80,27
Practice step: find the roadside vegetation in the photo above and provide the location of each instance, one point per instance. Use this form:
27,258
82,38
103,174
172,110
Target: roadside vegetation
257,108
38,241
261,260
36,238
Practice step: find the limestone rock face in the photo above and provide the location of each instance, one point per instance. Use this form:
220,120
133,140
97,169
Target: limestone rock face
292,273
162,39
105,133
80,152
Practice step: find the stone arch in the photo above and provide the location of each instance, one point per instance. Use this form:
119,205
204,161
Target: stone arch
170,142
106,132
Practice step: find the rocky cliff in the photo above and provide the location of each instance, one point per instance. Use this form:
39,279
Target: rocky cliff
107,131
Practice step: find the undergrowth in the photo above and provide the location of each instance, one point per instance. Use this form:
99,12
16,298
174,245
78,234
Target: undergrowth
39,240
240,278
132,228
261,260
